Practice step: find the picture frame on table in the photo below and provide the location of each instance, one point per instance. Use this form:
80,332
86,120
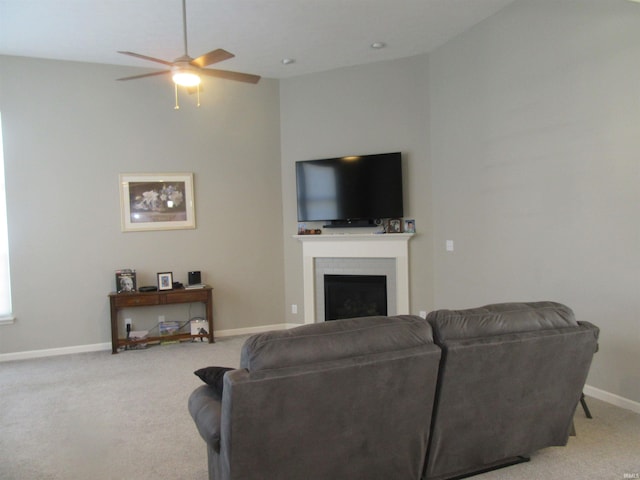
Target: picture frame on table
156,201
126,280
165,281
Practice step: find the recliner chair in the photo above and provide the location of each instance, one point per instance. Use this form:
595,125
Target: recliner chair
348,399
510,380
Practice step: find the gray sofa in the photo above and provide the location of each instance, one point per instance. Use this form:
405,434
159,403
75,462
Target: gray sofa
398,397
348,399
510,379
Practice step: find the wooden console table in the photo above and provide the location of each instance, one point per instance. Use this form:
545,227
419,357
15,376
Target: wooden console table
120,301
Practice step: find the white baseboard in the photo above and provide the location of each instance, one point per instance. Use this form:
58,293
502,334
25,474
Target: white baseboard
52,352
98,347
612,398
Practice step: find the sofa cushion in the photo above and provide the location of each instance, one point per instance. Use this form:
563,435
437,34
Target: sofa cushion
500,319
334,340
213,376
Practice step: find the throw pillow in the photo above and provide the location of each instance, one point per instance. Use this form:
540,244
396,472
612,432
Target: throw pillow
213,376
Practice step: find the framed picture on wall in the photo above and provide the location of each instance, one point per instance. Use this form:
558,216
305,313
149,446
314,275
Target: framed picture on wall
165,281
156,201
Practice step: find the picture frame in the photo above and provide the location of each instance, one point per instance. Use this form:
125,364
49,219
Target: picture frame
165,281
126,280
395,226
409,225
156,201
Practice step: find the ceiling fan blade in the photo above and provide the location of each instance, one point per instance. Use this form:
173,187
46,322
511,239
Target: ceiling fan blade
237,76
214,56
144,57
161,72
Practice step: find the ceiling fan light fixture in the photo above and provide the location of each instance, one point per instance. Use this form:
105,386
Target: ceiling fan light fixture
186,78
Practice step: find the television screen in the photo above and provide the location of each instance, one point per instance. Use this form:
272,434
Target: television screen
341,190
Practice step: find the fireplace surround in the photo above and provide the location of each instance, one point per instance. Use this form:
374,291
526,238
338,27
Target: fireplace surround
390,250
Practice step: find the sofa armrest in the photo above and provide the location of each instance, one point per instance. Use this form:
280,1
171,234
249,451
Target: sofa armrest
593,328
205,408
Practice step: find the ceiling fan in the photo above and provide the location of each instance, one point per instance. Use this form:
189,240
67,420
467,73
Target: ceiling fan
186,70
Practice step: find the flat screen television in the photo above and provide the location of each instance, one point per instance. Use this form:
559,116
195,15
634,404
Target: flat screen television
351,191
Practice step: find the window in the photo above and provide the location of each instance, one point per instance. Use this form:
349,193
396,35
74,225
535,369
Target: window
5,280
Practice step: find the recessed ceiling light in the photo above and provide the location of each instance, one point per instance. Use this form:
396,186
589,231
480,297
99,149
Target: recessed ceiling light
288,61
379,45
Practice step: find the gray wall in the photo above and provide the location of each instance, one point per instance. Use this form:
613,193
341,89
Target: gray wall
376,108
69,130
535,118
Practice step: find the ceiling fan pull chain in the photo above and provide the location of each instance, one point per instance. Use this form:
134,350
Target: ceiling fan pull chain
177,107
198,92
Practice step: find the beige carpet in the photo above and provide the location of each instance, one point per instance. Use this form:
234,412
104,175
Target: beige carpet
102,416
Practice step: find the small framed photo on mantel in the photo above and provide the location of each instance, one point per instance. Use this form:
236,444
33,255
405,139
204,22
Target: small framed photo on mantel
409,225
165,281
394,226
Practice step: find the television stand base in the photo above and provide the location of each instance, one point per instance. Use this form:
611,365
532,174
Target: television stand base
352,223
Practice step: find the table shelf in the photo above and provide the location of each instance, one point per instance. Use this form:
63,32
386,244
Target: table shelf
119,301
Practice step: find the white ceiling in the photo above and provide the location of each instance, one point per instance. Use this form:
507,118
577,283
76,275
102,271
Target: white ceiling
319,34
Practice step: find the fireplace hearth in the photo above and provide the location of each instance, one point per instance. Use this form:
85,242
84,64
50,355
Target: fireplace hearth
350,296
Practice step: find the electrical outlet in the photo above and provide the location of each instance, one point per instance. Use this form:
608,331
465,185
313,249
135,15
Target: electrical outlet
449,245
127,321
294,309
423,314
160,318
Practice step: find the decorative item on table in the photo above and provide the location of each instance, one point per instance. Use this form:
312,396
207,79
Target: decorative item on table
199,328
410,225
395,226
194,277
137,340
167,329
125,280
165,281
194,280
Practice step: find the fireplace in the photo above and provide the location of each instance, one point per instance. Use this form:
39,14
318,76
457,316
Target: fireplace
350,296
355,254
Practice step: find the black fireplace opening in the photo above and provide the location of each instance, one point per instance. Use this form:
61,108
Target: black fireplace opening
350,296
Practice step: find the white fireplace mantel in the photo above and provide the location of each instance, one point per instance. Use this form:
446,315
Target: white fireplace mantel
391,245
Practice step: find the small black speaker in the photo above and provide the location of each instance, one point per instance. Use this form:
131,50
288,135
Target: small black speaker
194,278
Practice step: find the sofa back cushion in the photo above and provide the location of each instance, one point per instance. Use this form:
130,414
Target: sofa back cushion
500,319
334,340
